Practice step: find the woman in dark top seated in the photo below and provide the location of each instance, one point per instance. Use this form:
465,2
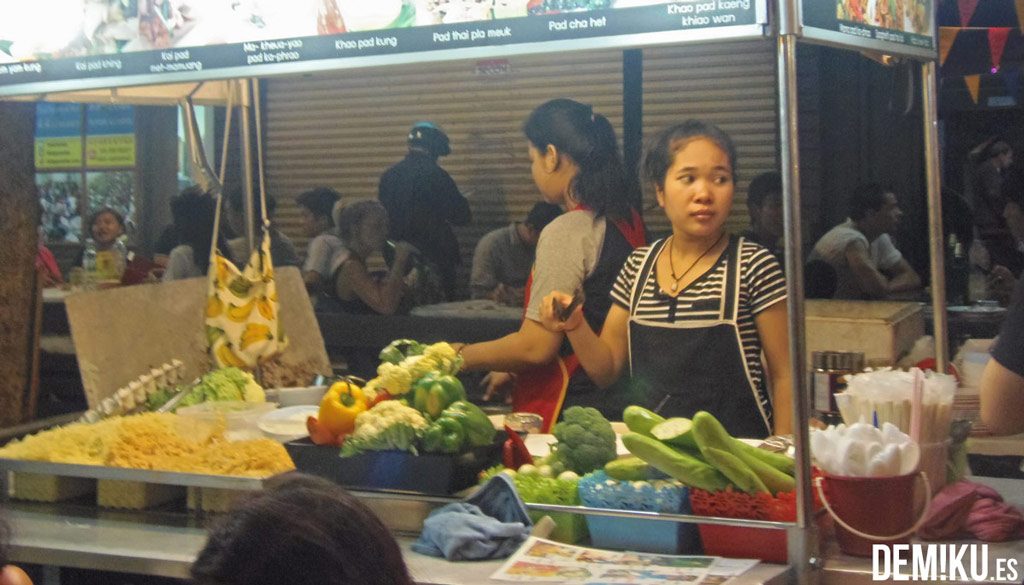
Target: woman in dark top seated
364,227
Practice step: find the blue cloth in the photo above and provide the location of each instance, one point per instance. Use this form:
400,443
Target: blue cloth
489,525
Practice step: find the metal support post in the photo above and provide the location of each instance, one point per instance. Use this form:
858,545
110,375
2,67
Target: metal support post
936,242
804,556
246,125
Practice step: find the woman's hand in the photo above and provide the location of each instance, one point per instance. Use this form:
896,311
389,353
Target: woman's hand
498,384
550,313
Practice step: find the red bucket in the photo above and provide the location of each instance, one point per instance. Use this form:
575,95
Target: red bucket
871,510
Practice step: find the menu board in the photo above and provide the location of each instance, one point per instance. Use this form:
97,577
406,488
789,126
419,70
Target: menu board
53,45
58,136
897,27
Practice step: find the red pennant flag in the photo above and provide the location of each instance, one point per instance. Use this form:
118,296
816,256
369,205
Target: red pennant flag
947,35
966,10
996,43
973,84
1020,13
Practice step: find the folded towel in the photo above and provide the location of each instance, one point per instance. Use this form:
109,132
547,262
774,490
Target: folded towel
491,527
968,508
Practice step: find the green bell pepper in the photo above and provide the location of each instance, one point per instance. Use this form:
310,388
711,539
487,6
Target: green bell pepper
479,430
434,393
444,435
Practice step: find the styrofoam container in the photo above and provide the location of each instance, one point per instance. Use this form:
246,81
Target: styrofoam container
300,395
881,330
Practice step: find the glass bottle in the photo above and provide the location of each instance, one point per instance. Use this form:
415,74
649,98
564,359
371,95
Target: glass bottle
89,260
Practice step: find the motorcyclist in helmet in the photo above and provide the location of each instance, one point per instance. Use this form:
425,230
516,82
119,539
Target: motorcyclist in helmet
423,202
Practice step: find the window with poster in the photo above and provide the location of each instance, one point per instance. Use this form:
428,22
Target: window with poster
85,160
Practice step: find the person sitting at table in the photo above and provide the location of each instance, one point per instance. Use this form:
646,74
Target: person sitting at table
692,312
317,207
106,225
504,257
363,226
764,203
1002,382
282,250
575,162
300,530
867,264
193,211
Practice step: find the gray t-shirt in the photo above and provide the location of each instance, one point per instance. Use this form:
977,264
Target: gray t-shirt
832,249
501,257
181,264
567,254
320,252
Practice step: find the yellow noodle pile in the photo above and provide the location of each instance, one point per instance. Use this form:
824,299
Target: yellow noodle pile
151,441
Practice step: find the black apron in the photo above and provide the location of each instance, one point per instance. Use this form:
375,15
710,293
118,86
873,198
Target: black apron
680,368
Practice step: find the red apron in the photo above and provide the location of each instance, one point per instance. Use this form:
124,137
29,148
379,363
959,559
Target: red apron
542,389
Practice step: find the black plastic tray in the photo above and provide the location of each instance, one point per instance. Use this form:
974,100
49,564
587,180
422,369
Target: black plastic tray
396,470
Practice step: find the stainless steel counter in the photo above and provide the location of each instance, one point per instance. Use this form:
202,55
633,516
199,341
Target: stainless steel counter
164,544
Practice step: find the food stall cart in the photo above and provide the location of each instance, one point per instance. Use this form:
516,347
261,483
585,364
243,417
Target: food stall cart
141,544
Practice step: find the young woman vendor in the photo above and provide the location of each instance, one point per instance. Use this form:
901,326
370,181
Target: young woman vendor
575,163
692,313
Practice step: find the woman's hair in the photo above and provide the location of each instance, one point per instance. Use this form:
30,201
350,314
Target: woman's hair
348,216
300,530
589,140
661,149
193,211
96,215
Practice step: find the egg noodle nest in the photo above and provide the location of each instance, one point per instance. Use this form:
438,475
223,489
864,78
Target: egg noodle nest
152,441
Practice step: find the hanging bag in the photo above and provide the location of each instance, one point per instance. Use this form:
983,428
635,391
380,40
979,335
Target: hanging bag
242,324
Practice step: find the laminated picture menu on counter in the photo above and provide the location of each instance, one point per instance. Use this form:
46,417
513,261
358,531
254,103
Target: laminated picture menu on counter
76,44
545,561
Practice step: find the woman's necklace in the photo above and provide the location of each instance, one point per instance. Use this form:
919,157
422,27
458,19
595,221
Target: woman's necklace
672,262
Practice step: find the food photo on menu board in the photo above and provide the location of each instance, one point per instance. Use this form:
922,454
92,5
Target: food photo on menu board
910,16
54,29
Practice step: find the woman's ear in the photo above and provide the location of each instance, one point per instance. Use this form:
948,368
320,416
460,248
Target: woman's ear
659,194
552,158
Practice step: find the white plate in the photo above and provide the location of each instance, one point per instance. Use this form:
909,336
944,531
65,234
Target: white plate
287,424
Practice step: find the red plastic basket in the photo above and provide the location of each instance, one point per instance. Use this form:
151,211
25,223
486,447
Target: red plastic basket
748,543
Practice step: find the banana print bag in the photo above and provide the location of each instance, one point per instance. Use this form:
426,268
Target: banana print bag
242,325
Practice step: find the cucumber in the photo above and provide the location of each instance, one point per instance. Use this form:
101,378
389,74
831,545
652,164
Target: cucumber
775,480
630,468
737,471
687,469
676,431
780,461
640,420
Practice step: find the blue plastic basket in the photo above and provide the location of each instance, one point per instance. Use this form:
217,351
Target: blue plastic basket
640,535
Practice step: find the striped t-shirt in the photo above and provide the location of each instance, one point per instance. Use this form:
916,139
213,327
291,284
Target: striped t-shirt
762,284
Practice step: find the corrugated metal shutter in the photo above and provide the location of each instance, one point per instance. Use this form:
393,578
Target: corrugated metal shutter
732,85
343,129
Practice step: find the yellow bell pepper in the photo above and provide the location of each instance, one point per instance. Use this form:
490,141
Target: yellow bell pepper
340,406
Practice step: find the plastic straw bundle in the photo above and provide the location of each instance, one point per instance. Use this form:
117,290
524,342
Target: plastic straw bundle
888,395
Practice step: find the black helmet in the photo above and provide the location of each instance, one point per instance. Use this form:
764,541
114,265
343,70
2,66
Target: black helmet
428,136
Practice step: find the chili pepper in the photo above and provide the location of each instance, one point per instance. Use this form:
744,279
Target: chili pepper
520,454
319,433
508,455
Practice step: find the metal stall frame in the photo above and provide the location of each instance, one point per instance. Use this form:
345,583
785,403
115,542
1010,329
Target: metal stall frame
782,23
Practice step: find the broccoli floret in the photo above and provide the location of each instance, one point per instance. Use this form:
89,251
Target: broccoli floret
586,440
